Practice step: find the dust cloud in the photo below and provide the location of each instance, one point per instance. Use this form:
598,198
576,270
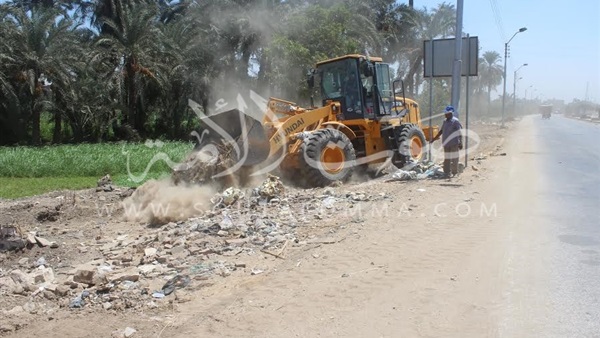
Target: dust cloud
161,201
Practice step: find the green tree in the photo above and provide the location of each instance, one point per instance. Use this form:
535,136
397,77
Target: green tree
427,24
490,72
133,48
41,50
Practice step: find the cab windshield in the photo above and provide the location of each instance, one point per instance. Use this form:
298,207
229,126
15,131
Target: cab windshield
335,77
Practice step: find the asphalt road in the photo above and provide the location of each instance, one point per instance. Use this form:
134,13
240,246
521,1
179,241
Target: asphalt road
552,266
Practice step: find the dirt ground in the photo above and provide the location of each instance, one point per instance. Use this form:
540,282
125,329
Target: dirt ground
363,259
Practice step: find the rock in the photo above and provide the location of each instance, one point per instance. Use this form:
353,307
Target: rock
99,279
7,283
18,289
177,250
148,252
147,268
130,274
107,306
236,241
23,261
61,290
128,332
42,275
53,245
50,295
42,241
31,238
15,311
7,328
29,307
21,278
226,223
85,275
40,261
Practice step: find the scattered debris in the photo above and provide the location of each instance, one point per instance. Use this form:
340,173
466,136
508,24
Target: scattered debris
79,301
271,188
151,263
402,175
177,282
10,239
129,332
105,184
256,271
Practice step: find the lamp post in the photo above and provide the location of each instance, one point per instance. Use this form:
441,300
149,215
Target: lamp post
526,91
515,89
521,30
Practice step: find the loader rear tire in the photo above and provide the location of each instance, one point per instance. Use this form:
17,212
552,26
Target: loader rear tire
327,155
411,144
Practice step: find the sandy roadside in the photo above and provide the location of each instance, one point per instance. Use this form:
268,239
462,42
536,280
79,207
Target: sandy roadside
430,261
425,260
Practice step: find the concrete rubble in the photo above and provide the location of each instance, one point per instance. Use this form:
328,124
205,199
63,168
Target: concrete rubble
151,267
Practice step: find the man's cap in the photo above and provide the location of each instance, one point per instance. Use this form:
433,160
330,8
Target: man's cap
449,109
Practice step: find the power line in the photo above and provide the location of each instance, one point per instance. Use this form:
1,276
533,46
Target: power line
498,18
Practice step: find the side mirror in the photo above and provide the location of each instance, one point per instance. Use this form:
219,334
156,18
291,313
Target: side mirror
310,79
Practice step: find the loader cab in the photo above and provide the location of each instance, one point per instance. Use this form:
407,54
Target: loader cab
361,85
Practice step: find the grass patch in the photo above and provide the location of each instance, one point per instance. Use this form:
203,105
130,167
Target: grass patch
21,187
85,160
26,171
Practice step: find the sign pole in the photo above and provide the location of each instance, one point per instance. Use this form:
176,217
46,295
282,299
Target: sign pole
430,101
467,102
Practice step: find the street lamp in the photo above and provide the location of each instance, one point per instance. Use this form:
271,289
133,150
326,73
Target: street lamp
526,89
521,30
515,89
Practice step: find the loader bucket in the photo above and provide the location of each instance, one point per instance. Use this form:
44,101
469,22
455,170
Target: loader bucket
244,133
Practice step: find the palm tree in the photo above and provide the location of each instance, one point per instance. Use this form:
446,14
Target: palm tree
133,48
490,72
438,23
185,73
42,45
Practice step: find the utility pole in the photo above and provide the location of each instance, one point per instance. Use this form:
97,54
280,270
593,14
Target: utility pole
456,67
521,30
515,90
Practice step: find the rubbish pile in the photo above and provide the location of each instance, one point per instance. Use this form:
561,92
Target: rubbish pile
417,171
147,267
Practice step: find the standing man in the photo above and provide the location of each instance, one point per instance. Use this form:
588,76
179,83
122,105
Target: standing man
451,141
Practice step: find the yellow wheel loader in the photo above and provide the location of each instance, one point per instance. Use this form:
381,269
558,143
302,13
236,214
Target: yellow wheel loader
363,119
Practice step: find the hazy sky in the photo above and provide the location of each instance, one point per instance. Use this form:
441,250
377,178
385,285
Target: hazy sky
561,44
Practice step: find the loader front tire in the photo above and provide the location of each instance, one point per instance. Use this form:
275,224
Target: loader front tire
411,144
327,155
